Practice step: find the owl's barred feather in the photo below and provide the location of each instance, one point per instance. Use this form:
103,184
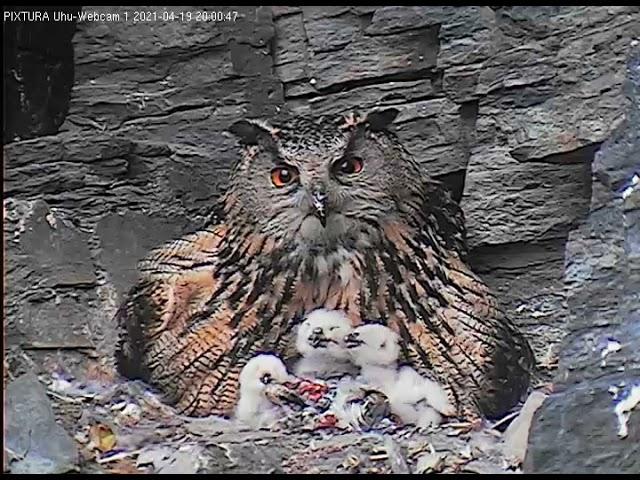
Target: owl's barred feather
387,246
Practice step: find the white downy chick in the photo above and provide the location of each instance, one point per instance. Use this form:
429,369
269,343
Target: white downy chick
427,388
375,350
263,396
320,341
413,398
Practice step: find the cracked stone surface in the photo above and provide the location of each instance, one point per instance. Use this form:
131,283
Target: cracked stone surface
576,429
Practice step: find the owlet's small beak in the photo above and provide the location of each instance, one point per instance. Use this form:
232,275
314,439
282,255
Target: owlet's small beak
353,340
319,204
317,339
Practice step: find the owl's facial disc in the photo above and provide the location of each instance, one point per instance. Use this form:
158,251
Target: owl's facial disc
319,184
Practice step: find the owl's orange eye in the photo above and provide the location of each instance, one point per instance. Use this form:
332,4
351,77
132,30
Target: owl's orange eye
282,176
349,166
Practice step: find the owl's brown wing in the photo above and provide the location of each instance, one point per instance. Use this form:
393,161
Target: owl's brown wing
496,351
174,334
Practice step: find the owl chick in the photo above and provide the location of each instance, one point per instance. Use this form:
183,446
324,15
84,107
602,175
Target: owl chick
320,341
415,399
264,397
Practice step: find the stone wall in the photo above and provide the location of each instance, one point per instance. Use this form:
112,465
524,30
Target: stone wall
508,105
578,428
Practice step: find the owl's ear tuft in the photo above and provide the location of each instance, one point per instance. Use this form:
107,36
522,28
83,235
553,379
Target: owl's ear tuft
249,132
381,119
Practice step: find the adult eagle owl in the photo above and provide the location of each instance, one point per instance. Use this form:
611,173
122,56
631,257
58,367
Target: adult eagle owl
320,213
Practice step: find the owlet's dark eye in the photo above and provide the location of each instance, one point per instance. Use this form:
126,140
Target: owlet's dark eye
349,166
283,176
266,379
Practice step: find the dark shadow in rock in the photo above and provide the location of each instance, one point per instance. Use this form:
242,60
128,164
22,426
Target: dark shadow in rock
38,73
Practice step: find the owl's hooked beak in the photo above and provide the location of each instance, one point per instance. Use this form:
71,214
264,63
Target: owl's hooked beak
319,203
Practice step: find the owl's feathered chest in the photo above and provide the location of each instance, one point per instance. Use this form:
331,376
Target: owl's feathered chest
255,284
332,280
272,293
